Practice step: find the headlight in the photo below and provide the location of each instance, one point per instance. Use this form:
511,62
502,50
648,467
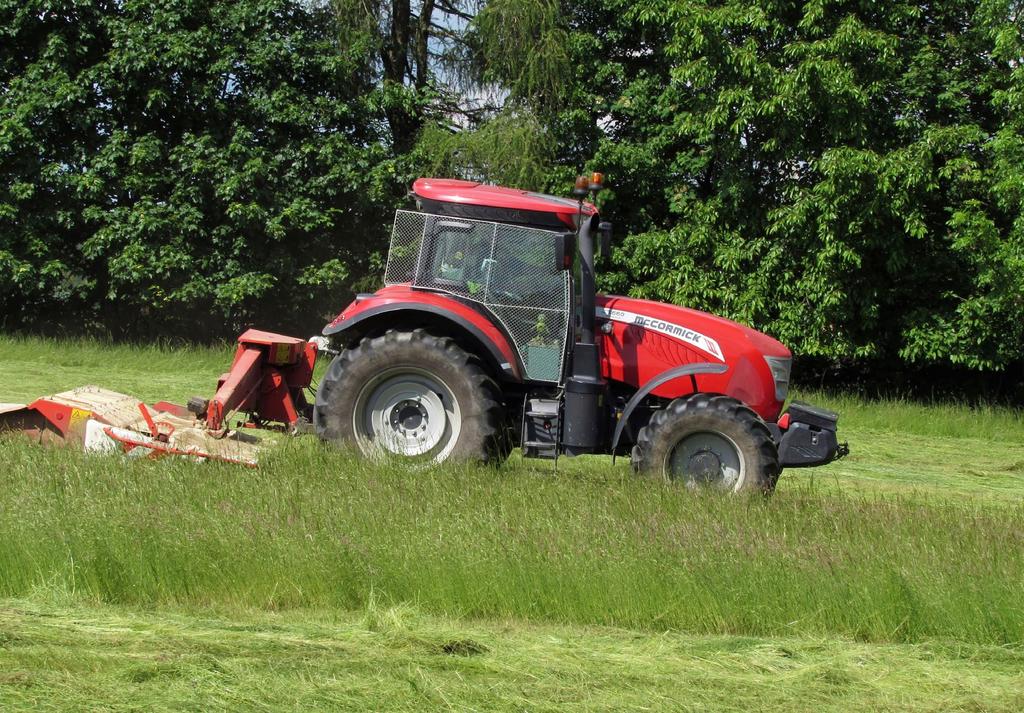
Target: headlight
780,367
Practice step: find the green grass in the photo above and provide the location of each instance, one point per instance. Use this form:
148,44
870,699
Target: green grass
895,575
30,368
945,450
56,656
318,529
946,419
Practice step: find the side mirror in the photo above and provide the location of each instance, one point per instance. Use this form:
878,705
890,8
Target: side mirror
604,229
565,250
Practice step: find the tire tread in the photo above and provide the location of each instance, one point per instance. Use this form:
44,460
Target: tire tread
650,439
483,418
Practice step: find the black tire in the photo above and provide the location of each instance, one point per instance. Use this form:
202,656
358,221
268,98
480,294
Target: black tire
469,396
695,424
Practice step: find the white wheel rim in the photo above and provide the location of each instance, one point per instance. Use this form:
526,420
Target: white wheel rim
408,412
707,459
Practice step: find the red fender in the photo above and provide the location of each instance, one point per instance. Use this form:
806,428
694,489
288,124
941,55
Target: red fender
370,310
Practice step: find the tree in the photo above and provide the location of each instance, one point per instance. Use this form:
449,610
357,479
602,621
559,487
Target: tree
452,105
843,175
420,61
837,187
172,166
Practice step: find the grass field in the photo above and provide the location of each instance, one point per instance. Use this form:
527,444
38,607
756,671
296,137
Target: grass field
890,580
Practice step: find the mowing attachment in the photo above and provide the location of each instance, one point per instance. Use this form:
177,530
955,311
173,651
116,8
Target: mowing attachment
97,419
265,384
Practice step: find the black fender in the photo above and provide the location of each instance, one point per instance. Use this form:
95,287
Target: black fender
664,377
433,314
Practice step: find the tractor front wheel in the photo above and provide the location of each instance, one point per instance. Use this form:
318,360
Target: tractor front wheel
412,395
705,441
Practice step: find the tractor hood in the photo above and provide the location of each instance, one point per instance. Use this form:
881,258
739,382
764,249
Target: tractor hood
643,339
716,337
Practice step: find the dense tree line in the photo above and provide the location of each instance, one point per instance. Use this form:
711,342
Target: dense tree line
847,176
180,167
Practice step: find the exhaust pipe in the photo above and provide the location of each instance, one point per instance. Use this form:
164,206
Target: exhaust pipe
585,413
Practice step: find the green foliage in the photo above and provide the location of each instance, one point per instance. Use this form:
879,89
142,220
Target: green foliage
843,175
511,149
172,166
846,176
521,45
62,652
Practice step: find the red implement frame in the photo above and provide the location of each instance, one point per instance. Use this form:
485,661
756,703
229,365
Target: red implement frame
96,419
267,379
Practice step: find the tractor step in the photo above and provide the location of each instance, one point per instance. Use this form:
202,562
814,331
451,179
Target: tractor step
540,428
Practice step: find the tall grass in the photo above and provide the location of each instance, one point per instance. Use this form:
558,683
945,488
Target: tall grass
318,528
31,367
856,549
935,419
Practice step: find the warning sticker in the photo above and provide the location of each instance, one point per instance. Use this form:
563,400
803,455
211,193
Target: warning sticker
79,416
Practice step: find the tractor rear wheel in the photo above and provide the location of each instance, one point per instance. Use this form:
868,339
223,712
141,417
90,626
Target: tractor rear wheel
413,395
708,441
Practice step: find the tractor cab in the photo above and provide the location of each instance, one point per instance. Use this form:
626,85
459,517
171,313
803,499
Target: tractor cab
504,251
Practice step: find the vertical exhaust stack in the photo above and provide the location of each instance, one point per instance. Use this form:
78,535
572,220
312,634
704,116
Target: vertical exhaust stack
585,389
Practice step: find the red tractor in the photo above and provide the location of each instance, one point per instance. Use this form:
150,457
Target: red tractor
489,333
